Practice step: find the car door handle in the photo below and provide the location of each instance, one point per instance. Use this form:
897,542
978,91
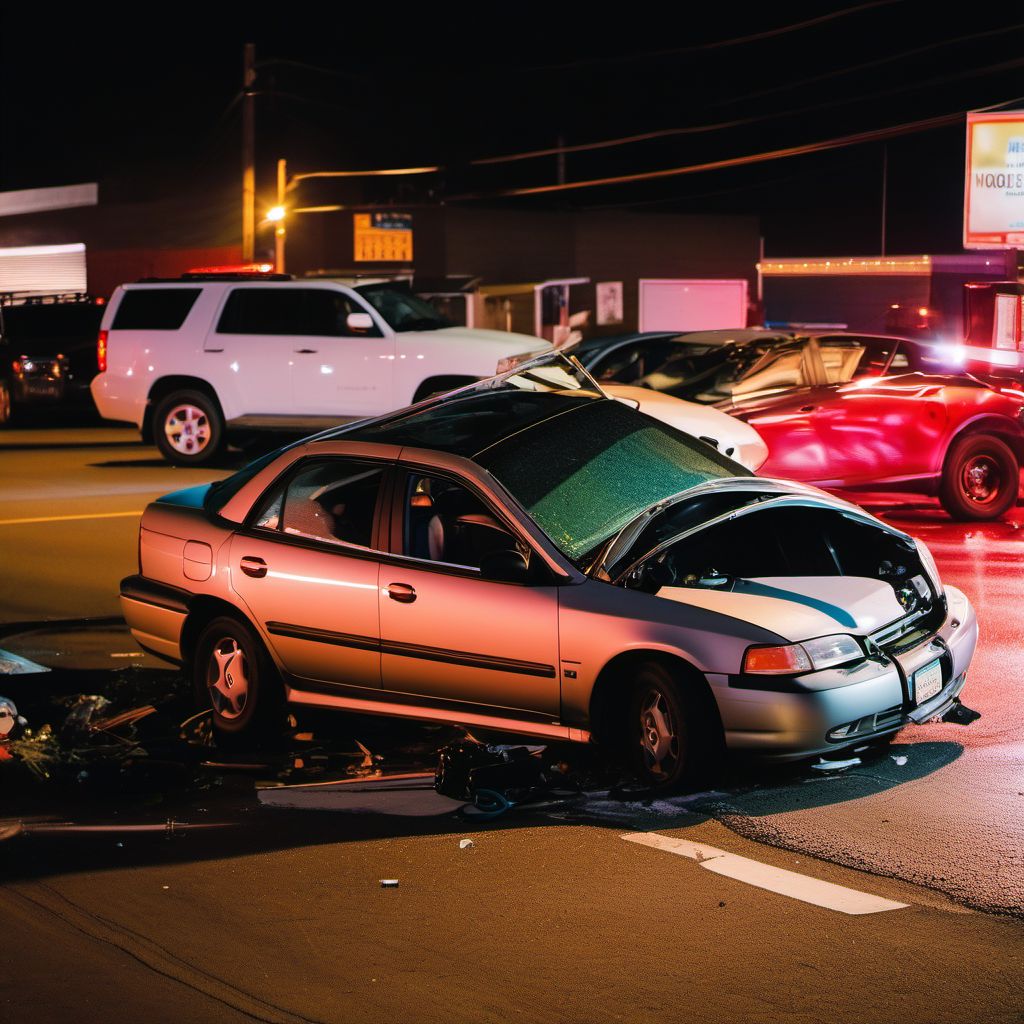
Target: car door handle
307,351
401,592
808,408
253,566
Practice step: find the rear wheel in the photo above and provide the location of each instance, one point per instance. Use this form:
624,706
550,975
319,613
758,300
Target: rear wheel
675,742
234,676
980,478
188,428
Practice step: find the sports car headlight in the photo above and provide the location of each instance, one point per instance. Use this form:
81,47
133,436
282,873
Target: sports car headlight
824,652
928,561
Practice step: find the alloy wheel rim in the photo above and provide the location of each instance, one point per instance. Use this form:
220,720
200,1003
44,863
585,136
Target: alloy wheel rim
659,737
187,428
981,479
227,678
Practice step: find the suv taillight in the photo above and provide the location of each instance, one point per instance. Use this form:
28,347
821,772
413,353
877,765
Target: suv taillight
101,351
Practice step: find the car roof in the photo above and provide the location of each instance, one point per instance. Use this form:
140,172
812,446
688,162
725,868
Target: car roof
468,423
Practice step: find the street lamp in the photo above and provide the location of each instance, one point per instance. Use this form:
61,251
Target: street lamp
279,213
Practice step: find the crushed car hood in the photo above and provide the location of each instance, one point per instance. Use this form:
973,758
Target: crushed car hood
799,608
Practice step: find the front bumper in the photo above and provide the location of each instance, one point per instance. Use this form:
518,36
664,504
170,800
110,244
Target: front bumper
877,695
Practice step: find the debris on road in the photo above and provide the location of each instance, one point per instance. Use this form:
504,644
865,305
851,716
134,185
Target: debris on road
900,759
466,844
389,883
835,766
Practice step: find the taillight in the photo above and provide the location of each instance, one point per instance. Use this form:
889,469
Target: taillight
101,351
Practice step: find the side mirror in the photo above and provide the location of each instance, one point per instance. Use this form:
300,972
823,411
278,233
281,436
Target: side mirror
505,567
359,322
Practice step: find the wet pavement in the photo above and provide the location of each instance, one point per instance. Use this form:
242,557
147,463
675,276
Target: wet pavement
250,884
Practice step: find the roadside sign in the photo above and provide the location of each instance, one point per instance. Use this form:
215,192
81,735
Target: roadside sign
994,186
382,237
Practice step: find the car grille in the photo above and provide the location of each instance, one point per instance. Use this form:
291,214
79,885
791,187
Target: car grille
907,633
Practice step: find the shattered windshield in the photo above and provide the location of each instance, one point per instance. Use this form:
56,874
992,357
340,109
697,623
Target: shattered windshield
586,475
402,310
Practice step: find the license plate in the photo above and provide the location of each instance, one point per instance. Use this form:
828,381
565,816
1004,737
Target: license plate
928,681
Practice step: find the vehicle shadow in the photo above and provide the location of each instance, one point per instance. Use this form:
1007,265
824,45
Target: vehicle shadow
192,804
39,446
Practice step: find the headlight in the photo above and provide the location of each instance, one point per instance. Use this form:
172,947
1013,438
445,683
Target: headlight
824,652
928,561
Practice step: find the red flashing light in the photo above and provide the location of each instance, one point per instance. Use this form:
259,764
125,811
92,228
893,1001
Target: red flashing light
236,268
99,301
101,351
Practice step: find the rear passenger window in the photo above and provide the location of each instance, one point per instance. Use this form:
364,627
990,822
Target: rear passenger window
154,309
294,311
331,501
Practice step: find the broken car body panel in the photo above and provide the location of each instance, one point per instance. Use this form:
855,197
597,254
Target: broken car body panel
409,615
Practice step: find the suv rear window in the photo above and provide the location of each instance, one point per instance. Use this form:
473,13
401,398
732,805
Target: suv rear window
154,309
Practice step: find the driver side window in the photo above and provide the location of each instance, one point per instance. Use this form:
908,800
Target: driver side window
445,523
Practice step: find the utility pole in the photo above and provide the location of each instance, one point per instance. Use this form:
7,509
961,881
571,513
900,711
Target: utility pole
279,229
248,155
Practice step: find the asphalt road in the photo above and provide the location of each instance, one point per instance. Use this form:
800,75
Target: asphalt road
551,915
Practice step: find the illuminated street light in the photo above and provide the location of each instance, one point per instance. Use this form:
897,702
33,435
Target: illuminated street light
276,213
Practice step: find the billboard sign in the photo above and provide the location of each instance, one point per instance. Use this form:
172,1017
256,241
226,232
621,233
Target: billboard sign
994,189
382,237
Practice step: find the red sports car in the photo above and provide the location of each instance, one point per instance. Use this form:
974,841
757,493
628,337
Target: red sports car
951,436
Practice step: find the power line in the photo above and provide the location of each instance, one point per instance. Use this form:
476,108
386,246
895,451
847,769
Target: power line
917,51
875,135
627,140
720,43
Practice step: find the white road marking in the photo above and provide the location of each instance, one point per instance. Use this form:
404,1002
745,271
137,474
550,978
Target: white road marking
764,876
65,519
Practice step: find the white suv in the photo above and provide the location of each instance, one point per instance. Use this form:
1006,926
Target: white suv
190,361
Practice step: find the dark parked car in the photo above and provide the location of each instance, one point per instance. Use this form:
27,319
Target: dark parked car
48,351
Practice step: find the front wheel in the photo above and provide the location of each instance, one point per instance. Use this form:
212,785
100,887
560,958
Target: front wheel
188,428
234,676
675,743
980,478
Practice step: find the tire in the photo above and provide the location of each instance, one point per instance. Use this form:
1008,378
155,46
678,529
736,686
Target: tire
6,404
980,478
188,428
233,676
675,739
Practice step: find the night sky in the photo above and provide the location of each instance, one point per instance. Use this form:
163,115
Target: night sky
146,102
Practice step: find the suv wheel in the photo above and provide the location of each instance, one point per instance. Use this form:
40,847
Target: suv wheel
188,428
674,744
234,676
980,479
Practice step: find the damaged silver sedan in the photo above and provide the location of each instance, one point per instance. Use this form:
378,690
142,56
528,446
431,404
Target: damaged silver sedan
530,555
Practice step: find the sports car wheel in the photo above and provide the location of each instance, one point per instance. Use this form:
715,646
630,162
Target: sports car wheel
188,428
234,677
674,744
980,479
